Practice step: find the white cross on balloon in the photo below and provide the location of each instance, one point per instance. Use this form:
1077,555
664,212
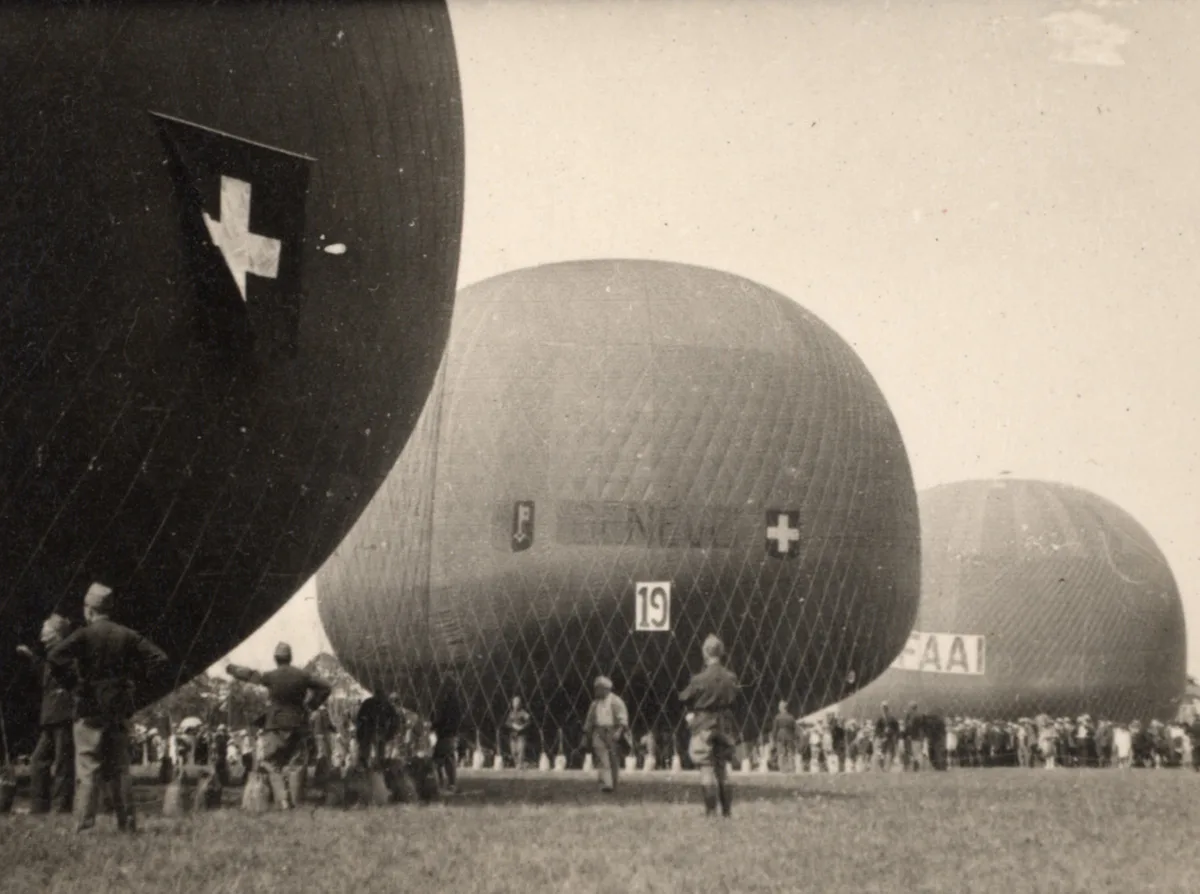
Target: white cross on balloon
783,533
244,252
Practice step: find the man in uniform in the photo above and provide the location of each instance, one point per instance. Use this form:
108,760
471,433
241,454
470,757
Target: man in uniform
52,765
783,735
606,725
445,722
293,694
517,723
104,661
711,695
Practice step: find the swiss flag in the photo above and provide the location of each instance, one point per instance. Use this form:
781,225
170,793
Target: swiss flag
783,533
242,215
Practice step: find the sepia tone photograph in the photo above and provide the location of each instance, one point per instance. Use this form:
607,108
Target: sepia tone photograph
599,445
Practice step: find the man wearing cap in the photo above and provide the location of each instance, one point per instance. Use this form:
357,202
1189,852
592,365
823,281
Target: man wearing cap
712,734
104,661
606,725
293,694
52,764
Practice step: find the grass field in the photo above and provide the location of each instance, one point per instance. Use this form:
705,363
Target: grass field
964,831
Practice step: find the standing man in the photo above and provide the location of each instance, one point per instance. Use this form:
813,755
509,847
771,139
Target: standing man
711,694
104,661
912,734
52,765
887,733
606,725
783,734
517,723
293,694
220,755
445,723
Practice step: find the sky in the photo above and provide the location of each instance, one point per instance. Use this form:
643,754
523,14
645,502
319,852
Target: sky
995,203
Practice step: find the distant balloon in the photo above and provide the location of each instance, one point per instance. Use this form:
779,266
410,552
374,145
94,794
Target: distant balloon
619,458
1037,597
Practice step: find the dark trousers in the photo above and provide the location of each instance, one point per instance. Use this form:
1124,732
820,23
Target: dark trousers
102,756
444,753
52,769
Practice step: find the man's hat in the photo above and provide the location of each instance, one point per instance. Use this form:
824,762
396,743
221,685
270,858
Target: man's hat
283,652
58,624
603,681
98,598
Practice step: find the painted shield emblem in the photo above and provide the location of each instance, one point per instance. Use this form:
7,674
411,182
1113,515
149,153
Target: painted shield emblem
522,525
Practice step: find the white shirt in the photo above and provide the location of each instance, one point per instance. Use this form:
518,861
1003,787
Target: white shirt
610,711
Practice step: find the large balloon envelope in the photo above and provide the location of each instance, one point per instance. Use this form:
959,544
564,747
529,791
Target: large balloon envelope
601,431
1037,597
231,236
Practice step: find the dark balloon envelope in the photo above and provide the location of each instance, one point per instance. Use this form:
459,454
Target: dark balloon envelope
1076,607
599,427
231,241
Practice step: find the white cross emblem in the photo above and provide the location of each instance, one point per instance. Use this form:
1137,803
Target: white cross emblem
244,252
783,533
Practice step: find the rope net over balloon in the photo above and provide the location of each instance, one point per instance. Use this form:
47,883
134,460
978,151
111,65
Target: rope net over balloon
600,428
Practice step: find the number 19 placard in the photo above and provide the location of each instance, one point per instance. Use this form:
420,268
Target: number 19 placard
653,606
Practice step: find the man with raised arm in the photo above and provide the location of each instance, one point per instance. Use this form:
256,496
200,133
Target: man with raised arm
294,694
52,766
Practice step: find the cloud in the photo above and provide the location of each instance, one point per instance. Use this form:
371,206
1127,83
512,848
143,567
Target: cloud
1086,39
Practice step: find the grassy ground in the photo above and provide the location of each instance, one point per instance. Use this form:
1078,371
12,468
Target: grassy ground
964,831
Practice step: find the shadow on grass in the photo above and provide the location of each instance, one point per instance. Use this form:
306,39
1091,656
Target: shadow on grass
478,791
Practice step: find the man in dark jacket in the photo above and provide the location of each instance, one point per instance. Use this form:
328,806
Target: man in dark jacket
294,694
104,661
887,734
377,723
712,694
446,719
52,765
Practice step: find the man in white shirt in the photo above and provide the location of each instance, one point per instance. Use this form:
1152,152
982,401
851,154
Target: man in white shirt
606,725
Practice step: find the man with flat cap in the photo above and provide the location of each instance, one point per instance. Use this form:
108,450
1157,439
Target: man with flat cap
52,765
294,694
712,694
606,725
105,661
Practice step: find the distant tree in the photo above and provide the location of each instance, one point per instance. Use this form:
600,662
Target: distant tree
347,693
213,699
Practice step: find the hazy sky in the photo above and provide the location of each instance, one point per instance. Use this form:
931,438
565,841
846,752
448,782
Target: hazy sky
995,203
